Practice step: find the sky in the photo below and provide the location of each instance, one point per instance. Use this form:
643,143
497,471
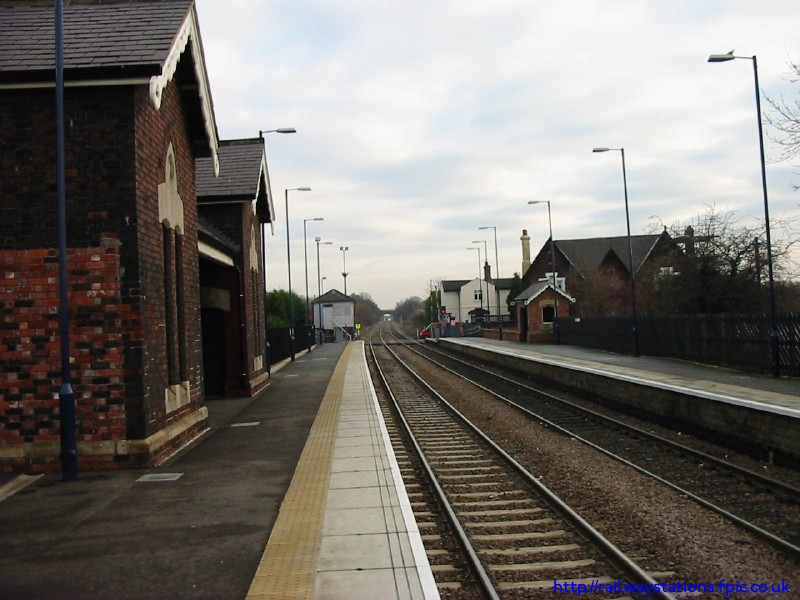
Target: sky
420,121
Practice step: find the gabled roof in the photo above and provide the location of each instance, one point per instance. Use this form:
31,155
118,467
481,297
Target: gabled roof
243,177
455,285
333,296
138,42
587,255
536,290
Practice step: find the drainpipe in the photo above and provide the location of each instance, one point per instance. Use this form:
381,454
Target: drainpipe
242,331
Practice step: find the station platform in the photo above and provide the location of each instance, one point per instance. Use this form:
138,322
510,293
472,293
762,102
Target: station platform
726,385
294,493
757,412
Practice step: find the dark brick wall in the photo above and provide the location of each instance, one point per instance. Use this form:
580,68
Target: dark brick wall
116,147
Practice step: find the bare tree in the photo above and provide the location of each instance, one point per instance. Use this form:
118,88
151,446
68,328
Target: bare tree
784,120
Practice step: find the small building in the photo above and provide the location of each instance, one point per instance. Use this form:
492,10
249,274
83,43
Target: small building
334,316
537,306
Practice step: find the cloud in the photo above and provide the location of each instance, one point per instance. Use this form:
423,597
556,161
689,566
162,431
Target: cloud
418,121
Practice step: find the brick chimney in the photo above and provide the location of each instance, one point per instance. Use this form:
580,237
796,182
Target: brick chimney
526,251
487,272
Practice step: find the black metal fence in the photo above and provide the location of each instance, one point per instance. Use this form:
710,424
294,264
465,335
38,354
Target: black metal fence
735,341
280,344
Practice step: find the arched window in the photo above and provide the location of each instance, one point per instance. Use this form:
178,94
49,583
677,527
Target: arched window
170,213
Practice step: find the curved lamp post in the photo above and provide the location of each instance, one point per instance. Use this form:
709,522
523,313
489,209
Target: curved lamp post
630,249
552,265
264,253
305,259
774,342
289,269
479,272
486,258
497,275
319,241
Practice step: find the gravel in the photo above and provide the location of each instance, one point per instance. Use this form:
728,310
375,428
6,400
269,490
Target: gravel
656,526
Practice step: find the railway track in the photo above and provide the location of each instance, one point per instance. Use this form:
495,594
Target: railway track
766,507
515,537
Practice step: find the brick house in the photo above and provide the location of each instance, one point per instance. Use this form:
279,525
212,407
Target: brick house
138,114
234,208
578,260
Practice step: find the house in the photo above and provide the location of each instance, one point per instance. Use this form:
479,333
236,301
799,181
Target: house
476,299
138,116
234,211
579,262
334,316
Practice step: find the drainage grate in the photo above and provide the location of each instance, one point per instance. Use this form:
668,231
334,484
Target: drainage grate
160,477
246,424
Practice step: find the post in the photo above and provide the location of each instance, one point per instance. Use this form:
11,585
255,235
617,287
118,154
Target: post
66,397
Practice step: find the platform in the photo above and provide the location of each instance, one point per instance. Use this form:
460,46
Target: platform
756,411
305,468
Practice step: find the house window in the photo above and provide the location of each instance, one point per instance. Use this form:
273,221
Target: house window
548,314
477,295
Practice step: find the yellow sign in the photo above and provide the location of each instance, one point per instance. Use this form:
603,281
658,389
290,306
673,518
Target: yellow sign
358,325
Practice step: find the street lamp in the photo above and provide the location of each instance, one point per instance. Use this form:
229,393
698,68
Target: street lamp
552,265
486,258
289,268
344,249
630,249
774,342
279,130
264,252
479,273
319,286
497,273
305,257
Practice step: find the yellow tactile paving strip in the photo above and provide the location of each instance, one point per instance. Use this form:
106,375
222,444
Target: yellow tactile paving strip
288,565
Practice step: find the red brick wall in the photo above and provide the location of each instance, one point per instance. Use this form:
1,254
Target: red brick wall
30,353
116,147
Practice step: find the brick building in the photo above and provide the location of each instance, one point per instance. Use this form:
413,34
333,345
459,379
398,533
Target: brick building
138,114
234,208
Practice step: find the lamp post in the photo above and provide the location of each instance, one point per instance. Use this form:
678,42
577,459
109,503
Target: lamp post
66,395
344,249
264,252
774,341
289,269
305,258
319,288
486,259
552,264
497,271
479,273
630,249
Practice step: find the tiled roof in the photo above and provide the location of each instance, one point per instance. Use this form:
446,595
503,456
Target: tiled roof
240,170
131,37
333,296
588,254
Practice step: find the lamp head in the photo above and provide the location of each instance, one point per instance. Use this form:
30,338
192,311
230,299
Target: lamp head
279,130
540,201
318,239
601,149
721,57
303,189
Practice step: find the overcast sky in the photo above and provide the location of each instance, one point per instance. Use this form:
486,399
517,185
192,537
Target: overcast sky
420,121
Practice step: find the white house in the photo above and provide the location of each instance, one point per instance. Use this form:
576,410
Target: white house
464,298
334,316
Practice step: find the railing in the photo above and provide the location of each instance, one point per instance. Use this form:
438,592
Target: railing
735,341
279,343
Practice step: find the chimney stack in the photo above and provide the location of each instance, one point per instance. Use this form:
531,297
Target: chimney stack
526,251
487,272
